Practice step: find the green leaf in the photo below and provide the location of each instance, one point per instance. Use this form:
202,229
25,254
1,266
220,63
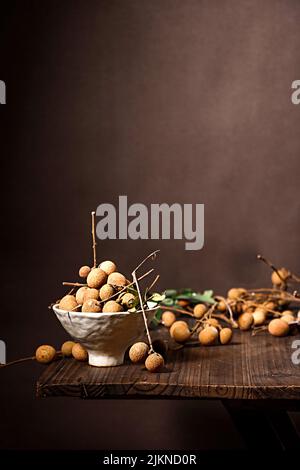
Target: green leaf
168,302
157,297
170,293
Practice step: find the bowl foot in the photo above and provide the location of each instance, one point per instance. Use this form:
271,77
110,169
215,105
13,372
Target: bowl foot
102,360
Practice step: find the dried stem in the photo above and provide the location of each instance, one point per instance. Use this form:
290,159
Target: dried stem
271,265
17,361
74,284
126,287
232,320
94,240
176,310
152,256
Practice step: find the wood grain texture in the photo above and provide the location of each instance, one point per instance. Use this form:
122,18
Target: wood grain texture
252,367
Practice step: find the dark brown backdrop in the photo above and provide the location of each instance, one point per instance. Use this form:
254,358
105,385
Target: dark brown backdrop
165,101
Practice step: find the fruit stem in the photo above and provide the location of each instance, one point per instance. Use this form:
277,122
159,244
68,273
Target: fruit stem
177,310
126,287
74,284
94,240
232,320
271,265
17,361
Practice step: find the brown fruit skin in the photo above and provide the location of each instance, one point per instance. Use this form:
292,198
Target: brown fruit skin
168,318
213,322
278,327
106,291
235,293
259,316
270,305
183,303
245,321
280,280
79,352
138,352
92,306
128,299
66,348
225,335
68,303
208,336
178,322
154,362
96,278
181,333
116,279
91,293
248,307
222,306
84,271
112,307
80,295
45,354
108,267
199,310
287,317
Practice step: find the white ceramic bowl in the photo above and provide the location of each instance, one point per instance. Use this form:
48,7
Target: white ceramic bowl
106,336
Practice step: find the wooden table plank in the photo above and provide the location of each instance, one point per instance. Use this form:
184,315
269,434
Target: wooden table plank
252,367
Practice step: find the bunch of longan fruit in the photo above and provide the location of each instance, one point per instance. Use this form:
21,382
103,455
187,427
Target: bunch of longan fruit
46,353
100,292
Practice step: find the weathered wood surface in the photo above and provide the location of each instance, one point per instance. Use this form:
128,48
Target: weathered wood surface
252,367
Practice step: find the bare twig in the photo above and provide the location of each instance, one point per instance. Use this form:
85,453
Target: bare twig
74,284
94,239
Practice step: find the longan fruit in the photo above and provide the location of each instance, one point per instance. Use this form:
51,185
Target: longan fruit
66,348
79,352
208,336
154,362
45,354
183,302
287,317
270,305
221,306
96,278
278,327
128,299
168,318
138,352
245,321
238,308
80,294
259,316
68,303
84,271
92,306
213,322
235,293
175,324
181,333
248,307
108,267
199,310
112,307
225,335
279,280
106,291
90,293
116,279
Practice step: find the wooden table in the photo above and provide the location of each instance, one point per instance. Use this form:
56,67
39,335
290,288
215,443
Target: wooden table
253,376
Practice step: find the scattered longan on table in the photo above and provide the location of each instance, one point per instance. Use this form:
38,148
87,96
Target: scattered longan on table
108,267
45,354
175,324
112,307
154,362
181,332
245,321
90,293
66,348
259,316
278,327
106,291
235,293
91,305
221,306
68,303
84,271
116,279
138,352
96,278
183,303
80,294
287,316
168,318
213,322
79,352
199,310
225,335
208,336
